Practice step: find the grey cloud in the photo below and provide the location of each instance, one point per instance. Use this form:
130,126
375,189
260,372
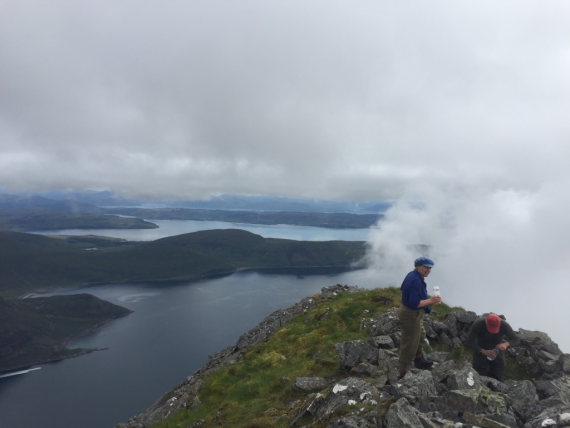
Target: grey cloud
318,99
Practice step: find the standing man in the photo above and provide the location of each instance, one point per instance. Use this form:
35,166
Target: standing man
415,302
487,340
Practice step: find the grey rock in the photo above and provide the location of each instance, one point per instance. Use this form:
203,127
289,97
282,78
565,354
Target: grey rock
334,290
466,317
440,327
383,323
483,421
367,369
384,342
351,391
494,384
388,362
523,396
464,378
565,363
354,422
538,340
309,384
558,388
482,402
402,415
417,386
547,356
438,357
355,352
556,416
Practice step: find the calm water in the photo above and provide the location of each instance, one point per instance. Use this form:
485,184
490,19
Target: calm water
168,337
177,227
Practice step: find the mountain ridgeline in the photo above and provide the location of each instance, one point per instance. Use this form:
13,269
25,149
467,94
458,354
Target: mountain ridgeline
31,263
30,213
331,361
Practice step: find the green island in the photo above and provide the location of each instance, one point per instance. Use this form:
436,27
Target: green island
37,330
54,221
331,220
31,263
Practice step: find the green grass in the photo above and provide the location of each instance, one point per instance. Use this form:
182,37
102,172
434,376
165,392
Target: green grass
256,392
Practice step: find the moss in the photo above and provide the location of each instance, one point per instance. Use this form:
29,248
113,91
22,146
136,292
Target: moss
515,371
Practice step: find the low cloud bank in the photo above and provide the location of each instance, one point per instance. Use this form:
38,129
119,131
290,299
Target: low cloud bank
500,250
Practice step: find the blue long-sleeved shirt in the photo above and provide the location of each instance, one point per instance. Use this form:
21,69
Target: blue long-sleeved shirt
414,289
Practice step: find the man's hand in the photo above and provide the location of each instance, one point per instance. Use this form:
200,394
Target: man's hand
435,300
503,346
488,353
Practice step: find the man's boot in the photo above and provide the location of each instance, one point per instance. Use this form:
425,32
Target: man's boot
422,363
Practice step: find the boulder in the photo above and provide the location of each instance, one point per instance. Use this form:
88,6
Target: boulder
354,421
355,352
565,363
463,378
401,414
382,324
556,390
539,341
482,402
552,417
418,388
347,392
384,342
309,384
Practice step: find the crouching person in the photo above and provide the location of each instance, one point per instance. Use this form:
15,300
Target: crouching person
489,337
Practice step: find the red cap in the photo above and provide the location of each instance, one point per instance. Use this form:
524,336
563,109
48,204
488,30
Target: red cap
493,322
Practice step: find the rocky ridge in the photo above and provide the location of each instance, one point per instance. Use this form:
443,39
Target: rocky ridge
369,394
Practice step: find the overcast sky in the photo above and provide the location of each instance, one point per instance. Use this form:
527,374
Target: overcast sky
463,105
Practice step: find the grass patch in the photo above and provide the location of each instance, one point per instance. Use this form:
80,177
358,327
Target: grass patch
256,392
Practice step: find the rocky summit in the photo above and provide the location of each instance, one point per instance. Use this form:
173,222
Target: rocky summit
364,391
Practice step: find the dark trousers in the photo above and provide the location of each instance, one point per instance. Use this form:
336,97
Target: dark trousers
485,367
411,323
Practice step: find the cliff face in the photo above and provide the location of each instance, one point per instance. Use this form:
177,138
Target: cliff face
356,383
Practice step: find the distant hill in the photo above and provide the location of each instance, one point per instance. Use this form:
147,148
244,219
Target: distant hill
32,262
27,213
330,220
37,330
63,210
225,202
16,204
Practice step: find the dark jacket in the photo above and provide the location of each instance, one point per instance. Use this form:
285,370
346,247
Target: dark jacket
479,337
414,289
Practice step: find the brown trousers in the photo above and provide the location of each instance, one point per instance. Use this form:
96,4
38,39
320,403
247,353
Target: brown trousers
413,333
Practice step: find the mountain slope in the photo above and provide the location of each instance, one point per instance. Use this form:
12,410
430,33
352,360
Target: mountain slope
331,361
